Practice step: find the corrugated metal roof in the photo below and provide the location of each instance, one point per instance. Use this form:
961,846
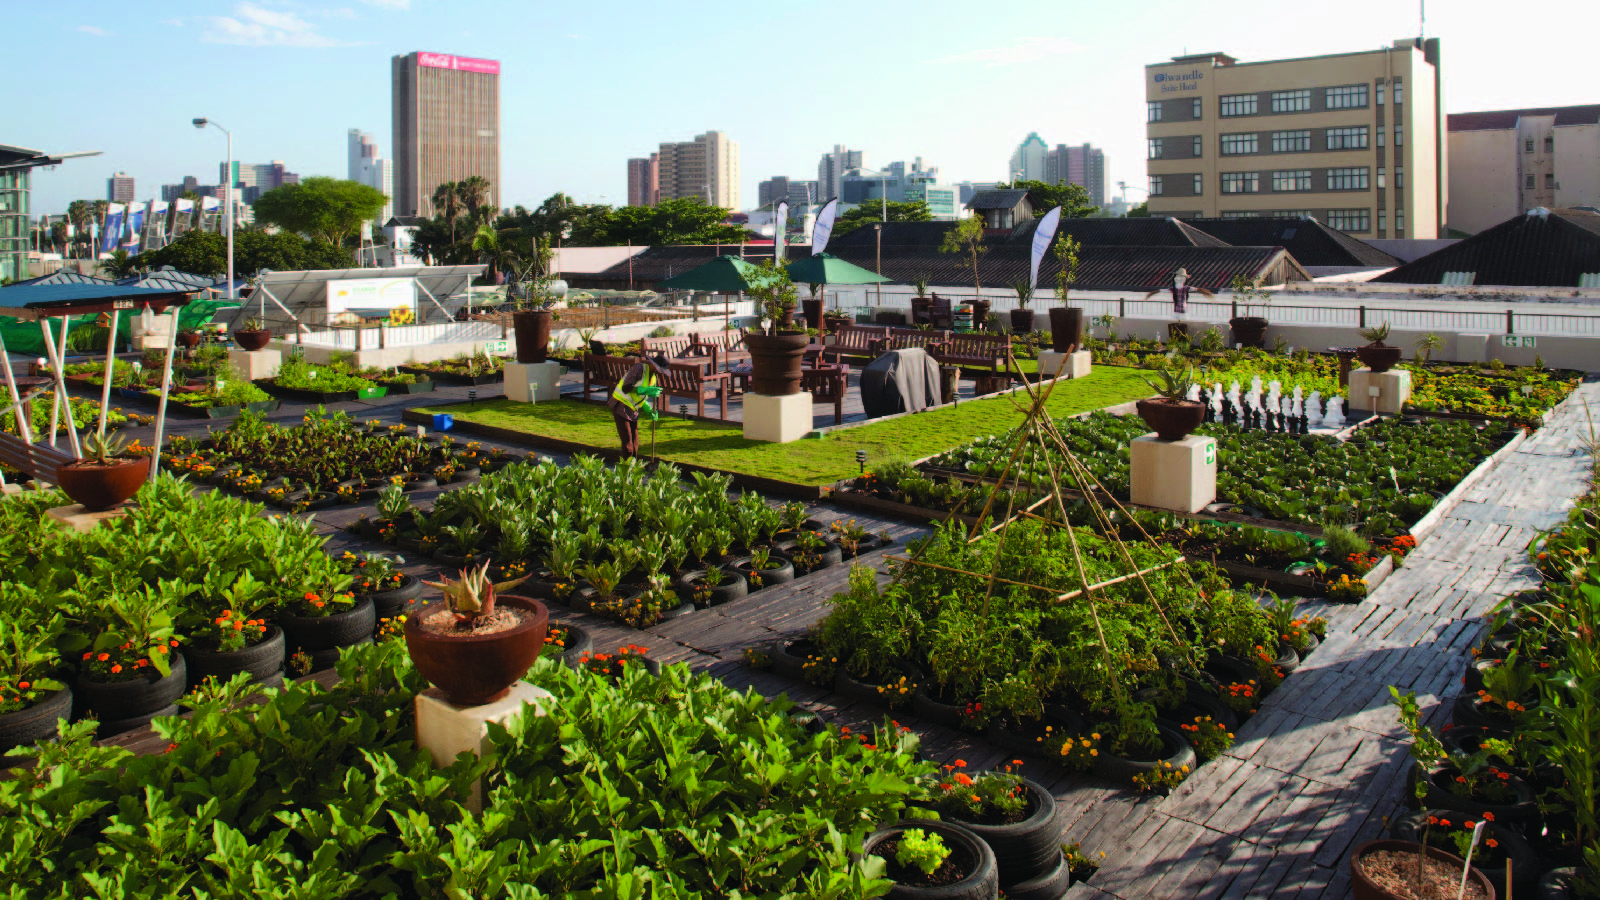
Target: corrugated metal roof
1142,232
1502,119
1542,248
1309,241
63,276
169,278
997,199
71,296
658,263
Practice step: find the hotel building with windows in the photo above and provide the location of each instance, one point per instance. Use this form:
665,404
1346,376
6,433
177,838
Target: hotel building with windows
1356,140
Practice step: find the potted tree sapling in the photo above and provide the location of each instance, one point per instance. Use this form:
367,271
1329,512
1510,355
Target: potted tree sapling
105,477
1375,354
476,643
921,303
1249,330
253,336
1066,320
1022,316
535,317
775,352
1172,415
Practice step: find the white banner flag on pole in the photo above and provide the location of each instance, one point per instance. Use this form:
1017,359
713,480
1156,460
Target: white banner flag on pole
823,229
183,211
1041,241
210,218
780,227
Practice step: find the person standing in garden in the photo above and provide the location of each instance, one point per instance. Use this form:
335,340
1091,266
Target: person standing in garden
638,390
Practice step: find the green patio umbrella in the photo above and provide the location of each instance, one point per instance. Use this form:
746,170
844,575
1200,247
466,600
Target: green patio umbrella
825,268
723,275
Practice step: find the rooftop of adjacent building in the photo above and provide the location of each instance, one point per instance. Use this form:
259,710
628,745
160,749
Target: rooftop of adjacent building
1504,119
1223,60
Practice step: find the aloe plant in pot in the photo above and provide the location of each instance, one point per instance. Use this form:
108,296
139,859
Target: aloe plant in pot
253,336
1172,415
476,643
104,478
1375,354
775,354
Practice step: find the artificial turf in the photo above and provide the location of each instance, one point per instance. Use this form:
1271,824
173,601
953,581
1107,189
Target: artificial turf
813,461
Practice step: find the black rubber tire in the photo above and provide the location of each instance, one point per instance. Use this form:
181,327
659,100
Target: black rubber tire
327,659
1062,719
722,593
1287,660
925,707
830,556
1312,643
1175,750
1558,884
115,727
314,635
769,577
1472,681
1201,699
423,482
260,661
38,722
583,598
983,883
1524,810
1525,866
677,612
1052,885
1025,850
400,601
1466,711
810,721
848,685
787,663
123,701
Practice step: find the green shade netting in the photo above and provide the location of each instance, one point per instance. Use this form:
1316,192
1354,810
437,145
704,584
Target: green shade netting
25,338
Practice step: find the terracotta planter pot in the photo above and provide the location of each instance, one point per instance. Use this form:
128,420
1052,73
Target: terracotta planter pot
473,670
980,314
1021,321
1066,328
533,334
1171,421
1365,889
188,341
100,488
813,312
1250,331
1378,357
775,362
252,340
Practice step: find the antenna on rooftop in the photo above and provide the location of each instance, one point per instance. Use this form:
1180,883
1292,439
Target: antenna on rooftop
1422,28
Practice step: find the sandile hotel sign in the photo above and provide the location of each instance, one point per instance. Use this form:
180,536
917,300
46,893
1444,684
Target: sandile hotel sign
458,63
1172,82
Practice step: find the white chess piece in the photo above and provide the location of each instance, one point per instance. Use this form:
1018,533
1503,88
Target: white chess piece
1335,414
1194,392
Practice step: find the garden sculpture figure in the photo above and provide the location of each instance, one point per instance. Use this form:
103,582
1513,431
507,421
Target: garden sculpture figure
1180,294
638,391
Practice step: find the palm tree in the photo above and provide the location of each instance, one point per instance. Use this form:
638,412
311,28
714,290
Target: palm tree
119,264
474,193
447,203
495,249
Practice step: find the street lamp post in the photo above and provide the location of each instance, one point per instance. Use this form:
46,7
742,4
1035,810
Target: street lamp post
227,193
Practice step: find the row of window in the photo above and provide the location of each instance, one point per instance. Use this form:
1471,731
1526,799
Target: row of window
1354,137
1351,178
1549,144
1549,182
1356,220
1353,96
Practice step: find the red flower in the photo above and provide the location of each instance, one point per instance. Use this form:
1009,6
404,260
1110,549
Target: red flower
104,656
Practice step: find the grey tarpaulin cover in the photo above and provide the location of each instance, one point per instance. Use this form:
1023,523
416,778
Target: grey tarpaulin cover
900,381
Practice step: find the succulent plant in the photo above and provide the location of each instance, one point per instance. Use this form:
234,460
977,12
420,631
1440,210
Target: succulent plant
104,448
473,596
1175,383
1376,335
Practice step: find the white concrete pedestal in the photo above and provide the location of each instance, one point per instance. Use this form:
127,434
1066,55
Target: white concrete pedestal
255,364
446,730
533,382
76,518
1072,365
1393,390
777,420
1180,475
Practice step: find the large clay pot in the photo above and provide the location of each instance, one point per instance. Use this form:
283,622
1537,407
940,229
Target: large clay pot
1066,328
1378,357
476,669
813,311
980,314
1021,321
775,362
1171,421
252,340
1364,888
532,329
188,340
101,488
1250,331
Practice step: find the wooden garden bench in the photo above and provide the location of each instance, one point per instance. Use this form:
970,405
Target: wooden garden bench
827,384
974,351
862,342
38,460
729,346
675,346
689,380
919,338
604,372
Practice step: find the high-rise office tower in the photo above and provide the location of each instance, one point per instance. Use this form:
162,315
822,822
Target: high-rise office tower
1027,161
370,169
644,180
831,169
119,188
446,126
1084,165
706,167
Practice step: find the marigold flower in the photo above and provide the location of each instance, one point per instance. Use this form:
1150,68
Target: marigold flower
104,656
116,669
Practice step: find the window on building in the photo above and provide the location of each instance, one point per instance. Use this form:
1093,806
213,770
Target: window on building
1381,132
1292,180
1589,280
1549,143
1549,181
1197,149
1380,92
1156,147
1240,214
1399,136
1399,177
1241,182
1527,146
1195,108
1348,179
1152,110
1399,223
1351,97
1381,183
1292,213
1156,186
1239,105
1238,144
1291,101
1199,185
1350,138
1528,185
1291,141
1355,220
1383,221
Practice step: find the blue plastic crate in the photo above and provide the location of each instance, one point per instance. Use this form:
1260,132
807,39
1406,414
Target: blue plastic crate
443,422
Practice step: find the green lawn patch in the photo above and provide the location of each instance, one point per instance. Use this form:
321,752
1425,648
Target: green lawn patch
810,462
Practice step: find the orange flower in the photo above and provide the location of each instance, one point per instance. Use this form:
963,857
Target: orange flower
1488,816
961,764
104,656
116,669
963,779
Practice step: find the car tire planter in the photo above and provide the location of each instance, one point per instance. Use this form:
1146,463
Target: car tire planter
100,488
1558,884
732,589
1471,711
1525,865
783,574
261,661
1378,357
28,726
829,556
316,634
1028,849
1175,751
583,599
789,656
1050,886
930,709
125,705
866,691
1523,810
1287,660
475,669
982,881
1171,421
1365,889
579,642
1060,718
397,601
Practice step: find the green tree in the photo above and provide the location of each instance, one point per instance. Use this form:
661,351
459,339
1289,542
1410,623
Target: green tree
325,209
967,239
119,264
869,212
474,194
495,248
1072,198
447,204
206,253
682,221
555,220
1142,211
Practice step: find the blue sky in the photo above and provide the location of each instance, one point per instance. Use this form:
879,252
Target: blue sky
584,86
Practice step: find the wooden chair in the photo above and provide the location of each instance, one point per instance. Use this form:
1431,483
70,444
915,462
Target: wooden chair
827,384
689,380
604,372
860,342
728,344
674,346
941,314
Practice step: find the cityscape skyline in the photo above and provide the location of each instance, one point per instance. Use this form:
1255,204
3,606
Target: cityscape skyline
329,63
